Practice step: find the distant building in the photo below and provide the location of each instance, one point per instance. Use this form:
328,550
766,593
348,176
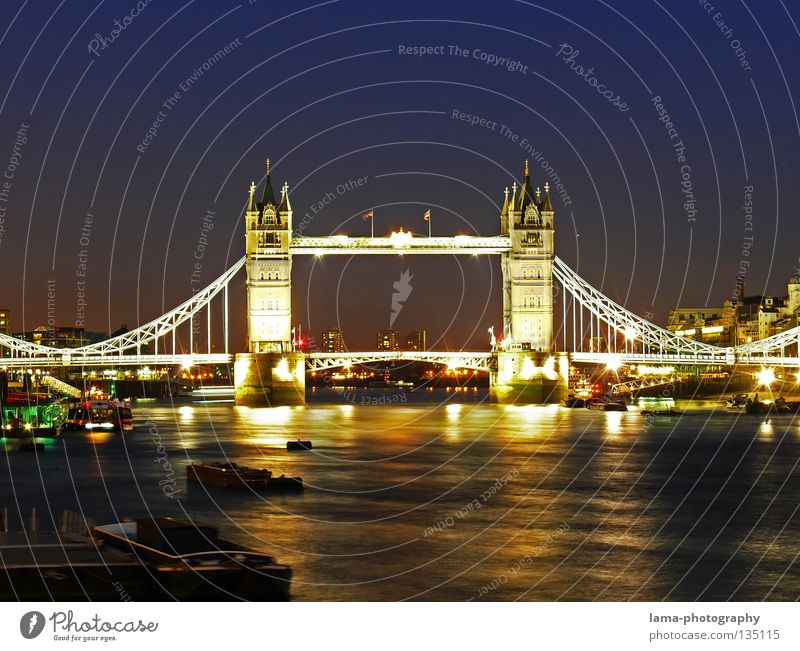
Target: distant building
61,337
417,341
387,340
5,321
740,320
332,341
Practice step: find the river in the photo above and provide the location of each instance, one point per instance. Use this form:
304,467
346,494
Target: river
443,496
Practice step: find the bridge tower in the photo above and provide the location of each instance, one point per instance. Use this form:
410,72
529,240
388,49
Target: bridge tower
271,372
528,368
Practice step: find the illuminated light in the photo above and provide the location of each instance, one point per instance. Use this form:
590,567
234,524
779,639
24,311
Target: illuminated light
282,371
320,255
186,412
347,364
341,239
401,238
241,369
613,362
655,370
27,425
453,364
186,365
766,377
630,332
528,369
453,409
710,330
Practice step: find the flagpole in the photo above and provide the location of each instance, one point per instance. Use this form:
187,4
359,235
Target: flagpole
372,225
429,225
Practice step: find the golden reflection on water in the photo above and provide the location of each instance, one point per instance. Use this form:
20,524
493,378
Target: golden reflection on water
613,424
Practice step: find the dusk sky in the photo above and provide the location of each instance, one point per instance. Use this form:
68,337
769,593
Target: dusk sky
656,117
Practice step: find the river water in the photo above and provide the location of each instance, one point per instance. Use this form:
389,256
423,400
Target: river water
443,496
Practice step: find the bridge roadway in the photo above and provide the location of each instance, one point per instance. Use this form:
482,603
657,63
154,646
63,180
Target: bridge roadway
399,242
477,360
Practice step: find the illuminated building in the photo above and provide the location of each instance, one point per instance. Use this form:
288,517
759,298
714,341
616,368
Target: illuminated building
387,340
417,341
332,341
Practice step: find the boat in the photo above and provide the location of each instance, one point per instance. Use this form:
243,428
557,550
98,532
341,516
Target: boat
738,401
232,475
227,475
606,403
298,445
189,562
766,407
107,414
60,566
661,412
573,402
31,416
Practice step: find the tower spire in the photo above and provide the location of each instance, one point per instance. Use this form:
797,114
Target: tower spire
269,194
251,204
548,204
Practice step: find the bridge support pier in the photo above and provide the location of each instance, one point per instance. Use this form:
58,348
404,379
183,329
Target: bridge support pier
270,379
525,377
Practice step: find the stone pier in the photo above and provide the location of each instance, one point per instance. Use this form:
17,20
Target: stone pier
524,377
270,379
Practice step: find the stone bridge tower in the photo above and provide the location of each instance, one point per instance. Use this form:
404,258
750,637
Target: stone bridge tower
528,369
272,372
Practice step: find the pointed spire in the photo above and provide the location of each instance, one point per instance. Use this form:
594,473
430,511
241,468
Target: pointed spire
548,204
269,195
251,204
514,193
526,191
504,212
285,205
538,193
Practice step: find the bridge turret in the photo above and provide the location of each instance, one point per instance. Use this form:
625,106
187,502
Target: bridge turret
269,268
271,373
528,270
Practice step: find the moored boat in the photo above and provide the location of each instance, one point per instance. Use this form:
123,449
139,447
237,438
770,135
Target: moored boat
30,416
606,403
228,475
189,562
298,445
232,475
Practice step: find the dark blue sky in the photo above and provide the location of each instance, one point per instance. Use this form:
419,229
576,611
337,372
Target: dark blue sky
326,92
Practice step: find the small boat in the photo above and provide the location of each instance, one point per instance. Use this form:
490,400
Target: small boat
30,416
661,412
761,407
106,414
606,403
738,402
187,561
573,402
232,475
294,446
228,475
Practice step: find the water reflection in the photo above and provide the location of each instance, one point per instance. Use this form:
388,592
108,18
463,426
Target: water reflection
701,504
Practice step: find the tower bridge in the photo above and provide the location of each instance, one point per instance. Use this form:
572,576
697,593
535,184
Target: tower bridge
529,363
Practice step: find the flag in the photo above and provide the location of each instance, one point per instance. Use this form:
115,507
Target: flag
427,215
367,215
